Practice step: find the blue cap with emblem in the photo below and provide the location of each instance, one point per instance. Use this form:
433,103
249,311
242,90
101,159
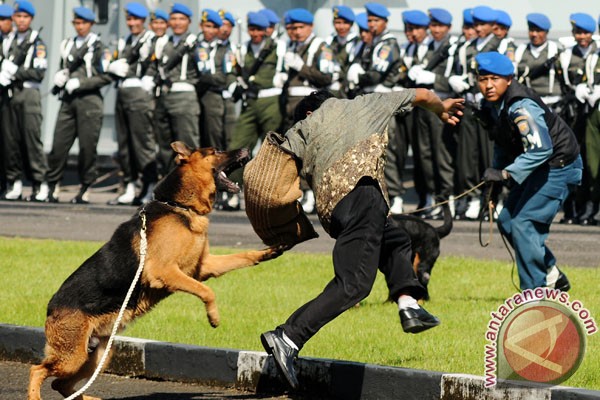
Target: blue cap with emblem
415,17
377,10
84,13
179,8
468,16
258,19
494,63
539,20
583,21
343,12
136,10
362,21
271,16
209,15
227,16
6,11
159,14
300,15
25,6
502,18
440,15
484,14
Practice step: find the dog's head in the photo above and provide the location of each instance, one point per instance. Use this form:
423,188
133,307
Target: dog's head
199,174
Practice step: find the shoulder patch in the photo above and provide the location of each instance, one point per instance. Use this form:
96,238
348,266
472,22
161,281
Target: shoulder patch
384,52
40,50
326,53
202,54
523,124
106,56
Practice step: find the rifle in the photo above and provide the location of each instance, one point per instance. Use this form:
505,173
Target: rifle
22,50
540,70
438,57
134,54
247,88
566,106
171,63
77,61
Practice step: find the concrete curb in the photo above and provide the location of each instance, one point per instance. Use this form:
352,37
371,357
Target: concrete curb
254,371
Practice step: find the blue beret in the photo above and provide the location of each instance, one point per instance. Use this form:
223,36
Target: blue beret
415,17
209,15
286,18
468,16
377,10
136,10
271,16
539,20
494,63
84,13
583,21
484,14
503,18
301,15
179,8
226,15
160,14
258,19
25,6
362,21
343,12
440,15
6,11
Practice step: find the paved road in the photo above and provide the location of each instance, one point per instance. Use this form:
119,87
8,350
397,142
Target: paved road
15,379
573,245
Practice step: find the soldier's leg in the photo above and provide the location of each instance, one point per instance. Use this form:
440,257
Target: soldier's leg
393,178
37,164
65,133
592,145
184,112
442,148
213,115
90,112
229,120
423,151
122,125
467,160
13,142
163,135
268,115
3,154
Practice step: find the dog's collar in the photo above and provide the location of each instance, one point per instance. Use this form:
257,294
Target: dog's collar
178,206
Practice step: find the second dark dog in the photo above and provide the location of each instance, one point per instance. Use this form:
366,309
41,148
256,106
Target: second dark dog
425,241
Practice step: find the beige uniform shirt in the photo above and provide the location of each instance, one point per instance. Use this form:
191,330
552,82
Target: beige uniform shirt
343,141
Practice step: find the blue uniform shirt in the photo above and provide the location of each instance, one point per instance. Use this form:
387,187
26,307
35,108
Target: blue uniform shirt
528,117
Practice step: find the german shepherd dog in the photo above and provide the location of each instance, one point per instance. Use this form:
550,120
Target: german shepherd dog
81,314
425,242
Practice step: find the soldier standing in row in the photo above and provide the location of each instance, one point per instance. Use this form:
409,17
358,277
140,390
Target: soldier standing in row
502,25
474,148
310,66
433,145
468,30
6,28
258,87
24,68
273,19
83,72
177,110
231,115
134,109
159,23
342,44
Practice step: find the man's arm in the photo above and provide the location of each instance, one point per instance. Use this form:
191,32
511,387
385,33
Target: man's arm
448,110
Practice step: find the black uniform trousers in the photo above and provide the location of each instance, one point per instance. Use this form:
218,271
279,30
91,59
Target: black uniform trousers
135,135
5,117
212,118
433,154
399,130
80,117
365,241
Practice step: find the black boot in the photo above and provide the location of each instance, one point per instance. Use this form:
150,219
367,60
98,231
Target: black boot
570,211
82,197
587,216
52,195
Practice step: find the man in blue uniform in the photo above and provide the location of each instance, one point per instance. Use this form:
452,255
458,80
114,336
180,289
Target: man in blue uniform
537,155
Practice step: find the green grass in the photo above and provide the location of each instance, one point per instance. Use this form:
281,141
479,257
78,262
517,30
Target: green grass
464,292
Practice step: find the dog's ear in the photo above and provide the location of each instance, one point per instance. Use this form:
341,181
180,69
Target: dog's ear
183,151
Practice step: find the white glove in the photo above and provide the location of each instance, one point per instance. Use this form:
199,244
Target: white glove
280,79
9,67
293,61
414,71
5,78
595,96
148,84
72,85
425,78
61,77
119,68
354,73
582,92
458,84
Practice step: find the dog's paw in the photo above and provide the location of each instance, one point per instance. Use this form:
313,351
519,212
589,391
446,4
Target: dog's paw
213,317
274,252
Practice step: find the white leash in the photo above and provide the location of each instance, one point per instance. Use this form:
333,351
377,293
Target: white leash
143,247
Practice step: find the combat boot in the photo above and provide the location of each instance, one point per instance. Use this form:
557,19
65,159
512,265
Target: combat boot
83,196
15,192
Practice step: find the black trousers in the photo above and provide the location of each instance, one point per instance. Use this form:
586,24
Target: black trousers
365,241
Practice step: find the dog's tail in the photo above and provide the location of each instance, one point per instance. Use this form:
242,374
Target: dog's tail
445,229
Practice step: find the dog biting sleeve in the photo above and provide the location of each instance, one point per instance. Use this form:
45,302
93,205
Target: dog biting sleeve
271,193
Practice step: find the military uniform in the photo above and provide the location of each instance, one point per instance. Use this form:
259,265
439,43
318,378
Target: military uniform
134,116
343,50
536,69
4,112
215,62
231,112
177,109
592,140
81,111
